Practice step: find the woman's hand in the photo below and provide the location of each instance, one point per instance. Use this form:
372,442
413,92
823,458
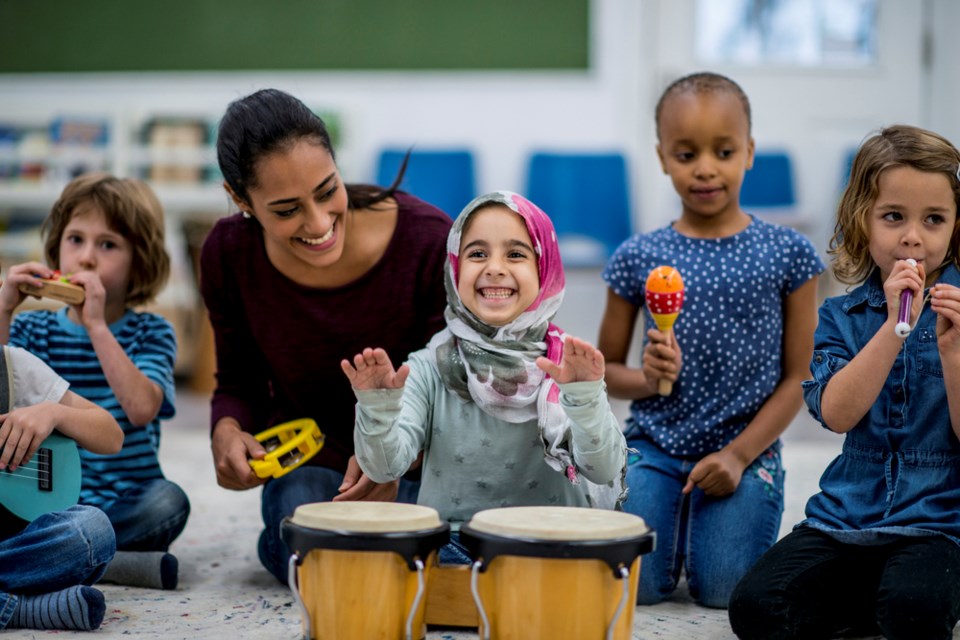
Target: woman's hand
580,362
662,357
232,449
372,369
357,486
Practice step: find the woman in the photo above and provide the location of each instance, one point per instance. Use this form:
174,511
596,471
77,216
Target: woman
311,271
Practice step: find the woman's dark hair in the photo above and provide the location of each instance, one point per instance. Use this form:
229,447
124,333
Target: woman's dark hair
271,120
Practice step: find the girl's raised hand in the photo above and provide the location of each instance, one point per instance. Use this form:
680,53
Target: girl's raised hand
372,369
945,302
581,362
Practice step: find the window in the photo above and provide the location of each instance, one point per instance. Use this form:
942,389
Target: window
803,33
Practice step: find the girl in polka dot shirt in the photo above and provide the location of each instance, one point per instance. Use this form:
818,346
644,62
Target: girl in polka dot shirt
705,470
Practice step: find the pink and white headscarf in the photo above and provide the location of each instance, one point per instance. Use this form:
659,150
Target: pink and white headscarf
495,367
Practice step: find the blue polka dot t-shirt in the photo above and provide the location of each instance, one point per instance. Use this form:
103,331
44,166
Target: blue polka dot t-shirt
730,327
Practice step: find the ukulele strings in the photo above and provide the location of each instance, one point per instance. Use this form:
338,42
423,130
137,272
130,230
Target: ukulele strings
35,469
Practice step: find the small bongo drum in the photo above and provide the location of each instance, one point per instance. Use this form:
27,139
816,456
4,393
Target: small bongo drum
359,569
556,572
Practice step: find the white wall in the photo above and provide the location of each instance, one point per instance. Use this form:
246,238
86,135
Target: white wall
502,116
817,115
638,46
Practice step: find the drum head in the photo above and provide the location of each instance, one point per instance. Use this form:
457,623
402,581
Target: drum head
569,524
366,517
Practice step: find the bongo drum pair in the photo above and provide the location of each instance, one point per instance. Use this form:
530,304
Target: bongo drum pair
555,572
359,569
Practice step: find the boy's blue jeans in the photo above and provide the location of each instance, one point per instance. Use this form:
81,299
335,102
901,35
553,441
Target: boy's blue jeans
150,517
716,539
57,550
280,498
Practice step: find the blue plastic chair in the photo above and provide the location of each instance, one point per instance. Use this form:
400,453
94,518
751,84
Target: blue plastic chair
444,178
586,196
769,184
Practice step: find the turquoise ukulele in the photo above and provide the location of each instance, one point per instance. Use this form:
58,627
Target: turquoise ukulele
50,481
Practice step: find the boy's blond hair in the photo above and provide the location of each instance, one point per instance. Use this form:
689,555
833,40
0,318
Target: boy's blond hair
131,209
894,146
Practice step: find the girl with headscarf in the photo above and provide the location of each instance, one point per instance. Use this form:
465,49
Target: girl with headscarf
506,408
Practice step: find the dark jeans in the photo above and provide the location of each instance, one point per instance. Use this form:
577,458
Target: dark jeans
809,585
149,517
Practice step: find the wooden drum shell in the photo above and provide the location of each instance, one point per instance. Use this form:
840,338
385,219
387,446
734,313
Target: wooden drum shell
356,566
533,588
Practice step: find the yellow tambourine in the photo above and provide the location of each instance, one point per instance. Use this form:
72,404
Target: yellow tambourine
288,446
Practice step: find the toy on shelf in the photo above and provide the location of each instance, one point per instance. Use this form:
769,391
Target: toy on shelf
664,297
58,287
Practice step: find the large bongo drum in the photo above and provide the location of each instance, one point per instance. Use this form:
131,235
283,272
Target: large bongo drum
359,569
556,572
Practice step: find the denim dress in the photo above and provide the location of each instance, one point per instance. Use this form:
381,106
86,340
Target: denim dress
899,471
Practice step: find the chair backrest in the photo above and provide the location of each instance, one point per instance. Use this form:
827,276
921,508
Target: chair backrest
587,198
769,183
444,178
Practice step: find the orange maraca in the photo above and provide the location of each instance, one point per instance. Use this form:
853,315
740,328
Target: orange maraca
664,297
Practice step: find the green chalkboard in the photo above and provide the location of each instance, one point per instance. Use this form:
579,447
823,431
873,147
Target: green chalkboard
194,35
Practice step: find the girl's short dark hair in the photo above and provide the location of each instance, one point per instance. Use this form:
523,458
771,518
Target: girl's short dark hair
703,82
130,208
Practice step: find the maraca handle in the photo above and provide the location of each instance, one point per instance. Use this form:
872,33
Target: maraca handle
664,386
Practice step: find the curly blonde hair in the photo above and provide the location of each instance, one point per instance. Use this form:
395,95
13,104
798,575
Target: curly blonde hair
131,209
894,146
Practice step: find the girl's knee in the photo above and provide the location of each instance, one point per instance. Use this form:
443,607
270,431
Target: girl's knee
916,616
756,613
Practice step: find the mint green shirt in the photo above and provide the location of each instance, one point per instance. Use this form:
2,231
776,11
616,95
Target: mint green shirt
474,461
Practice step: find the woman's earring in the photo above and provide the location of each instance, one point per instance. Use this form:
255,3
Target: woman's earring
246,214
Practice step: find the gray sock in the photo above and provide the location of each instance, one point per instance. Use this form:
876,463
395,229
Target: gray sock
77,608
150,569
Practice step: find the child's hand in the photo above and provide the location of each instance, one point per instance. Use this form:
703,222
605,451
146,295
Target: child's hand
904,276
29,273
22,432
581,362
945,302
662,357
717,474
92,310
357,486
372,369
